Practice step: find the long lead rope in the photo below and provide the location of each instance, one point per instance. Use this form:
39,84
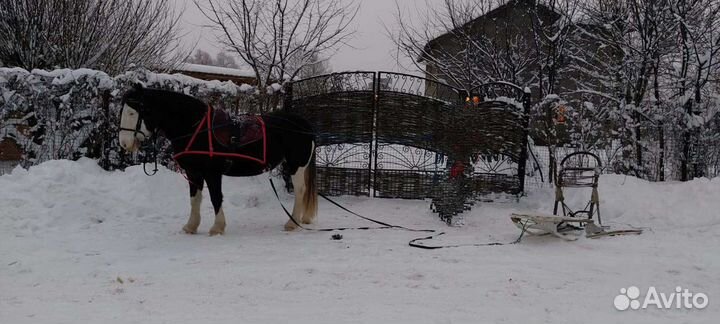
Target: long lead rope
414,243
384,225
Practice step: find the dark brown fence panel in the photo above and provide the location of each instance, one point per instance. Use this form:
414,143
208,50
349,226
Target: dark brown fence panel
412,120
341,107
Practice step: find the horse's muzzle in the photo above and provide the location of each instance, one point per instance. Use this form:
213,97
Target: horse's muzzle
130,145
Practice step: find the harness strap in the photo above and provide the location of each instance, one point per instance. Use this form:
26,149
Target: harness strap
209,118
206,123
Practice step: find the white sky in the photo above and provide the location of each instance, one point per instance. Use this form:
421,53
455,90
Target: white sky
371,50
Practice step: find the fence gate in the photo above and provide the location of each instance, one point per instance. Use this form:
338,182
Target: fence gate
398,136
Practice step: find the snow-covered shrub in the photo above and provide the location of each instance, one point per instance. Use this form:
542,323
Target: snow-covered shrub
68,114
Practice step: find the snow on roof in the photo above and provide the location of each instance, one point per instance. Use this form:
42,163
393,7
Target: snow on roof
191,67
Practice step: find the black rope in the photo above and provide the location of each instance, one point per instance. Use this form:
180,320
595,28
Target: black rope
413,243
385,226
155,158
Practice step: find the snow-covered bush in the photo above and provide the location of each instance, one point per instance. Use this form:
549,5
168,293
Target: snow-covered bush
68,114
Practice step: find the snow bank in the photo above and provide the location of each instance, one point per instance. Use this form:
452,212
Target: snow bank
80,244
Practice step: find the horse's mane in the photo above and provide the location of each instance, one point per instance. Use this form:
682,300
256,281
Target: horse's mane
174,97
165,98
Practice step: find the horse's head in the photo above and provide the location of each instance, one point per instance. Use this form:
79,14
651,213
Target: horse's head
133,129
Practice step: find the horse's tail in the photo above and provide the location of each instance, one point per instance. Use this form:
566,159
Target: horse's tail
311,194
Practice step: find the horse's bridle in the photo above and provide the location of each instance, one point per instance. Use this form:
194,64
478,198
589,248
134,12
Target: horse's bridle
138,125
138,130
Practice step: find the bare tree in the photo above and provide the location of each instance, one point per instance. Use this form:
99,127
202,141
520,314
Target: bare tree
221,59
107,35
225,60
200,57
315,66
278,38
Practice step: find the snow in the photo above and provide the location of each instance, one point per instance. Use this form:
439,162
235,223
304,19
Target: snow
190,67
82,245
273,88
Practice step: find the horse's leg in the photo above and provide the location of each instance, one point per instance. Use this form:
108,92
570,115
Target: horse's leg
196,187
214,183
306,189
298,208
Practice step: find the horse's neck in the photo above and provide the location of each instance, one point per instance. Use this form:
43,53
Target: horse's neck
178,124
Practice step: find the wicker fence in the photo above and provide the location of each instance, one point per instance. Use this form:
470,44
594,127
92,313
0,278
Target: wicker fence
400,136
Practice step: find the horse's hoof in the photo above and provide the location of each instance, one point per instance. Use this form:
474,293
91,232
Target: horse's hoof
216,231
189,230
290,226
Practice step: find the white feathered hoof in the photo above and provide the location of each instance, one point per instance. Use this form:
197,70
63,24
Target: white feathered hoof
190,229
290,226
217,231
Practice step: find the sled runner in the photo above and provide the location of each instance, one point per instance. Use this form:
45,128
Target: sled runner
545,224
548,224
594,231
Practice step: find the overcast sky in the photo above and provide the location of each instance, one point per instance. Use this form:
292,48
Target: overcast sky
371,48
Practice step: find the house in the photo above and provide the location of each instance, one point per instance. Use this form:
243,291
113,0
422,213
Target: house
505,31
208,72
501,46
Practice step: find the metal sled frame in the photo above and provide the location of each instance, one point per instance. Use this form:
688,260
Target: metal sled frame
579,170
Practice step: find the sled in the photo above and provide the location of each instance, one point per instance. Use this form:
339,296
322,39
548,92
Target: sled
594,231
548,224
545,224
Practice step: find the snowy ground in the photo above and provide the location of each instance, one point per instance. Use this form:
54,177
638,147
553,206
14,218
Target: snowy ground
81,245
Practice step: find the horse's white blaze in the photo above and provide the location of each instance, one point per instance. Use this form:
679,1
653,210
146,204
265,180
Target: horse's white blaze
128,121
194,220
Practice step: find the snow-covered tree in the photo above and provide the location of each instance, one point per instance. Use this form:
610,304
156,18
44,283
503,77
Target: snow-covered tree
200,57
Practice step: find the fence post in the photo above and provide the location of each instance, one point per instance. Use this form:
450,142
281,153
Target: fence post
107,139
525,133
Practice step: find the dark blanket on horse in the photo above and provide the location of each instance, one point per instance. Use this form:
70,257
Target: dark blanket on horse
236,131
241,134
239,140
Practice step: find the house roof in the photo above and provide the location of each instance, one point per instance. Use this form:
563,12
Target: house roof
494,13
209,69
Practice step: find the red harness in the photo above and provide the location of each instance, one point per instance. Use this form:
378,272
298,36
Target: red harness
206,123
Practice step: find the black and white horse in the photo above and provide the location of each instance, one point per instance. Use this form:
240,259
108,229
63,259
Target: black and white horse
209,144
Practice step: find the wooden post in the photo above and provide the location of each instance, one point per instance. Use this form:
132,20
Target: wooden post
526,131
107,136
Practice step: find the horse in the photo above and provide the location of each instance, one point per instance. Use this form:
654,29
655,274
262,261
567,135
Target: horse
208,143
